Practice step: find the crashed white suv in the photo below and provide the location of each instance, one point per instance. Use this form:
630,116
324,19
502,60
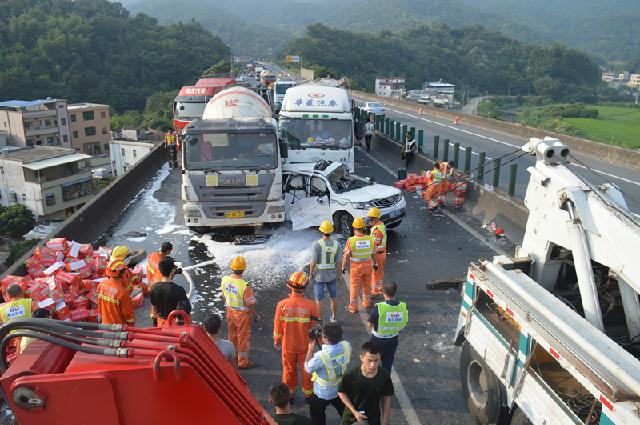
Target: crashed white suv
327,191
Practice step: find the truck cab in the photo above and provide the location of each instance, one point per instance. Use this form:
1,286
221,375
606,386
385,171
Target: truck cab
316,124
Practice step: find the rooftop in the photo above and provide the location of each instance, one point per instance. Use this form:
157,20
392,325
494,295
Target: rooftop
36,153
28,103
82,105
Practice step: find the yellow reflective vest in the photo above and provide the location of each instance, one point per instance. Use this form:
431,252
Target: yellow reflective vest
233,291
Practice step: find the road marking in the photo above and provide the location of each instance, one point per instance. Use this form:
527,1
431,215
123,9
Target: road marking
604,173
401,394
449,214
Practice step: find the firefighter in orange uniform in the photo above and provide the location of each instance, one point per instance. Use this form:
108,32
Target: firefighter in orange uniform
435,187
121,253
114,302
447,169
241,306
294,317
153,273
358,253
379,235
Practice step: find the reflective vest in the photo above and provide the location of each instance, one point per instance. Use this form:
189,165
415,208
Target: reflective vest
361,247
233,291
327,255
335,366
383,229
16,309
437,176
391,319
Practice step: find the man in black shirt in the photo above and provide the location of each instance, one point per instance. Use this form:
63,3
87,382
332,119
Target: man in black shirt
166,295
280,397
363,387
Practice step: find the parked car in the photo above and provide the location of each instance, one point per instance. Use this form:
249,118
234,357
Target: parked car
375,108
327,191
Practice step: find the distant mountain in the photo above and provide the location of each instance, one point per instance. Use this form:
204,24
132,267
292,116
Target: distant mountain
608,29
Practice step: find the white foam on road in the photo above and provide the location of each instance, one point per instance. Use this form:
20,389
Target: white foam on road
270,262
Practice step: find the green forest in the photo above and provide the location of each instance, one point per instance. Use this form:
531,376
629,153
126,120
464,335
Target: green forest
473,58
609,30
94,50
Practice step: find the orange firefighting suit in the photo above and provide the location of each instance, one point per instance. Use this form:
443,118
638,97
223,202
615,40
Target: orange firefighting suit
153,272
114,303
358,253
380,252
291,323
238,297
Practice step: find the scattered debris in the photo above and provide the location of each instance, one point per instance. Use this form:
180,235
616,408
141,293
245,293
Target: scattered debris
445,284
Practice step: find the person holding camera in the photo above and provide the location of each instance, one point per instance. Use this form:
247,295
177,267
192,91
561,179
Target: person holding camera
166,295
327,367
295,316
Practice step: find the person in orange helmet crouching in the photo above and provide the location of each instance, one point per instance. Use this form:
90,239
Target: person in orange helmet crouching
241,306
294,317
114,302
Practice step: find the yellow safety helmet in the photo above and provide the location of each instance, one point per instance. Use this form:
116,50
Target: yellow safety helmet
120,252
238,263
115,268
326,227
297,280
358,223
374,212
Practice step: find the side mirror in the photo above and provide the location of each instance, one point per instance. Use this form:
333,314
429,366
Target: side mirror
284,149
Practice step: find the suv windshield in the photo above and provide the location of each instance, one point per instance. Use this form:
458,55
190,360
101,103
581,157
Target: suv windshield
218,151
189,110
341,181
316,133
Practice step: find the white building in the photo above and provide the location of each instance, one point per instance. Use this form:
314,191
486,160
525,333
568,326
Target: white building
390,86
41,122
125,153
52,182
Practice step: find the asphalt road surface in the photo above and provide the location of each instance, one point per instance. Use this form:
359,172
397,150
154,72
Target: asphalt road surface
497,144
421,249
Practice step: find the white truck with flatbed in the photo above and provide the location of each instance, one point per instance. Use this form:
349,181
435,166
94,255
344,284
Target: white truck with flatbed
552,335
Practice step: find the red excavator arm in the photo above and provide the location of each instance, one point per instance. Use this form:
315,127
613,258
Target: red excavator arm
156,376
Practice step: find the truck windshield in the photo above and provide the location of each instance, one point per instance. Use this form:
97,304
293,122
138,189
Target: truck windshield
282,88
316,133
189,110
223,151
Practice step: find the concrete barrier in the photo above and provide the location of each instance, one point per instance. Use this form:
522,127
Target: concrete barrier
483,202
612,154
98,215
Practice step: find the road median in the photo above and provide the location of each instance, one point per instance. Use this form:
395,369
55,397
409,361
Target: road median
611,154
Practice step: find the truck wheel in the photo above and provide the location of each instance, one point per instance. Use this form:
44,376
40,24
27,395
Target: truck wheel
343,223
519,418
480,388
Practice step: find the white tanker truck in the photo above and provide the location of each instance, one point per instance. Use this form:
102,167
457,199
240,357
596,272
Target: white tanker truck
232,164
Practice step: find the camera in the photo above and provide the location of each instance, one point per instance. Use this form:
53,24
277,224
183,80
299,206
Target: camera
315,332
176,268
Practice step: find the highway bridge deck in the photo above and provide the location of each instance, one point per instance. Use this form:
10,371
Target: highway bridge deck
422,249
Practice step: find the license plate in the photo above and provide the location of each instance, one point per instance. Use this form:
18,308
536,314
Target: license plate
234,214
394,214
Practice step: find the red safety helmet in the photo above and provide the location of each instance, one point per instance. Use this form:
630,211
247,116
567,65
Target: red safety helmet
115,268
297,280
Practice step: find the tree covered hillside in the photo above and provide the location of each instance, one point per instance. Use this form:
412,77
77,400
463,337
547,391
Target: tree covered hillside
94,50
608,29
472,58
